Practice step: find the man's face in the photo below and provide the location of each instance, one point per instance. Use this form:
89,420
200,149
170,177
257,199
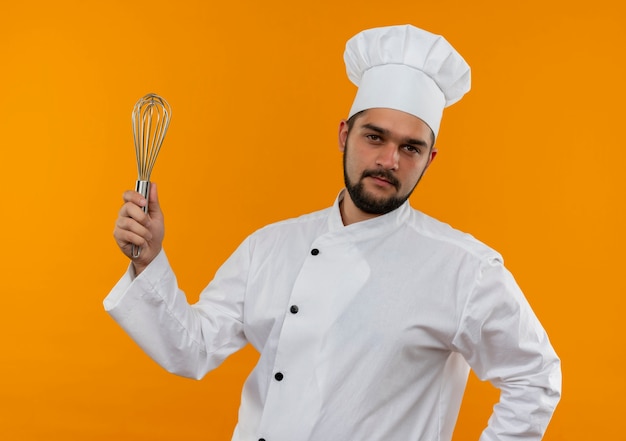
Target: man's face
386,152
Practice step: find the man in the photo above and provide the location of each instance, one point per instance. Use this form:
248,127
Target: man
369,314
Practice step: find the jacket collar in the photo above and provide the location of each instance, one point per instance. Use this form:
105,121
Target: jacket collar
376,225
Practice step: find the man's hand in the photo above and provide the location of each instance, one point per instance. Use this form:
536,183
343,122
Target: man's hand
145,230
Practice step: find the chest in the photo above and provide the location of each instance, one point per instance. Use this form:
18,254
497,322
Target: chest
386,293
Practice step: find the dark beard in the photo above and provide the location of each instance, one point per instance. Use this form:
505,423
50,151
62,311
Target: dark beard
364,201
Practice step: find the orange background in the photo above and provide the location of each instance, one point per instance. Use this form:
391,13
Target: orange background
531,162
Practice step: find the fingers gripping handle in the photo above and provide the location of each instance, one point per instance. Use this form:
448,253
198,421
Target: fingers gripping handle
142,187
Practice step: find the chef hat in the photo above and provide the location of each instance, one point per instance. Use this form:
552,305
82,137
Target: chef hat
406,68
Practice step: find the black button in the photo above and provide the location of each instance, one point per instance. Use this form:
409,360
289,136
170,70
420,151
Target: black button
261,439
279,376
294,309
315,251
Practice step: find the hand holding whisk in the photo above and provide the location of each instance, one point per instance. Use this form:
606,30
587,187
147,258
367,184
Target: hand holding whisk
151,118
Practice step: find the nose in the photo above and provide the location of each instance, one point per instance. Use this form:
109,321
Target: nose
388,156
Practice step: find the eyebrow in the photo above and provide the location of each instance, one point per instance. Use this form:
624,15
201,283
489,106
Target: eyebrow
387,133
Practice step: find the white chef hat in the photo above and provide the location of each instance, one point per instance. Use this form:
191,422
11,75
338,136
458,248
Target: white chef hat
406,68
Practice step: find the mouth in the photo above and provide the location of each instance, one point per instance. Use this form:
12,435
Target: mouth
382,178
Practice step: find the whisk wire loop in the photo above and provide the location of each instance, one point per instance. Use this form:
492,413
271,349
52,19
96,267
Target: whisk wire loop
150,118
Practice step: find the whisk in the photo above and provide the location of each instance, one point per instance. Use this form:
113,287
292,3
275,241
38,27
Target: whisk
151,118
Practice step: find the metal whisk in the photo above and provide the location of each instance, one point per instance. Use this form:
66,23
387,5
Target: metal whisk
151,118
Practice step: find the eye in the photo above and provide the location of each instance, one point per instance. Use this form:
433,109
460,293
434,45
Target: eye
373,137
412,149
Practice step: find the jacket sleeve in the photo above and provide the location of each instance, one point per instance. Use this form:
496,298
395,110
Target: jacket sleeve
504,343
187,340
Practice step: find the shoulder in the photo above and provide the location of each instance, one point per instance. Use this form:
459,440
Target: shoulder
446,236
289,229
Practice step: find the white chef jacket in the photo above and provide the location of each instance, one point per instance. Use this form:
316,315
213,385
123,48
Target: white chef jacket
365,332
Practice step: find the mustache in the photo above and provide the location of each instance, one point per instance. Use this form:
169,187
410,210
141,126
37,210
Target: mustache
383,174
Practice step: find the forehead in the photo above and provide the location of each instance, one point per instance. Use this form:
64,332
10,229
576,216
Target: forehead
396,122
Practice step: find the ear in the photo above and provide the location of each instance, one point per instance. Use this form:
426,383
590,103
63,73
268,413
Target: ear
343,134
433,153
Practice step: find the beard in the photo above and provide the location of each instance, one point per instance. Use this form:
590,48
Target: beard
367,202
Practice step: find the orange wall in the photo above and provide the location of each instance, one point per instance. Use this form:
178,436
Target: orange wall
531,162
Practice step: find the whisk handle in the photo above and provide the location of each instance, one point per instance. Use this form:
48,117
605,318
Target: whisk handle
142,187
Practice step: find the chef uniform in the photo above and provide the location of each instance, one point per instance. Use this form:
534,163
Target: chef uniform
366,332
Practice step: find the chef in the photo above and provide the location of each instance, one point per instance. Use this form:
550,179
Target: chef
367,315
